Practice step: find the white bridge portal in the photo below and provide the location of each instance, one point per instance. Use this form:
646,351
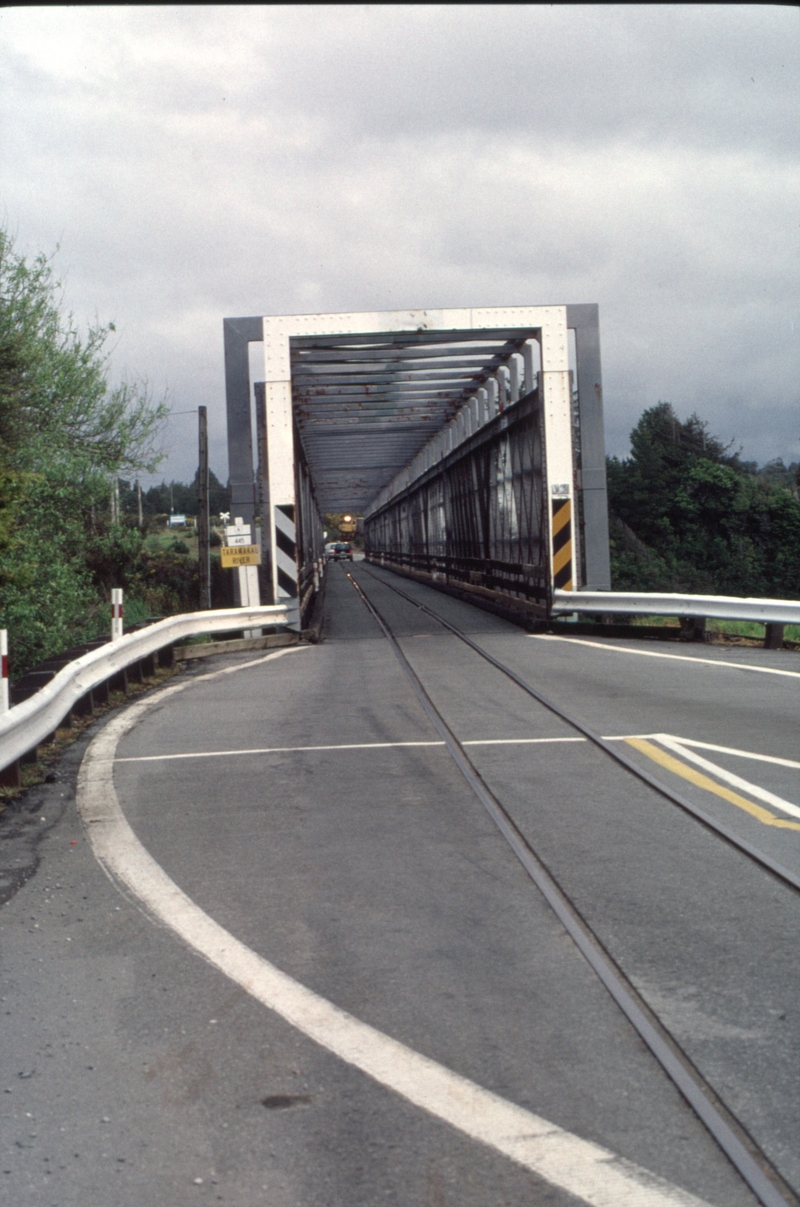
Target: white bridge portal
469,441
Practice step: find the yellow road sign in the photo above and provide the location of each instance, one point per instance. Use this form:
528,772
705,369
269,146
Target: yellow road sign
240,555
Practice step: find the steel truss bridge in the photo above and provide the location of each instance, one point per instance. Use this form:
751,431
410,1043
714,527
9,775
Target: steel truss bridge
469,441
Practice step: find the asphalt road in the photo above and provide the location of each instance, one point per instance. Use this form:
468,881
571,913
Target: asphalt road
346,850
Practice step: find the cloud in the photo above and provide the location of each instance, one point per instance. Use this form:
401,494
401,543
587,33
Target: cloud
200,162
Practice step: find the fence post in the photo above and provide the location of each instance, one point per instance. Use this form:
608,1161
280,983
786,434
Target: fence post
773,636
116,613
3,670
693,628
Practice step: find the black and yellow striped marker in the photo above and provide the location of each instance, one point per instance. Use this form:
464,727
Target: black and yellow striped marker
562,544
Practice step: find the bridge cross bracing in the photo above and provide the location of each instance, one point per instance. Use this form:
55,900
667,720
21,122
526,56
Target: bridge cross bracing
362,404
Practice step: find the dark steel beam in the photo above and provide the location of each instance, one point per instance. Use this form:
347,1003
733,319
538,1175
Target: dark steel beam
585,321
238,334
410,339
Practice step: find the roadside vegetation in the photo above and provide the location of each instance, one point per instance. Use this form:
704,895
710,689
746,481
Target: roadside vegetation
67,437
688,515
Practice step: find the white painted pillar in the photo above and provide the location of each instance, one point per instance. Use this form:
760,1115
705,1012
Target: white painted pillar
557,413
280,459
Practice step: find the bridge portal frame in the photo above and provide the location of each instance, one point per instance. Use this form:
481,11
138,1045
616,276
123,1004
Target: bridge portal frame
549,325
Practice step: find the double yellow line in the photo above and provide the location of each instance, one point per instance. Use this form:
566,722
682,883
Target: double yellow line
677,767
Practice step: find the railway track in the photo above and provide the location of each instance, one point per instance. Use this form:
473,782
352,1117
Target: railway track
728,1131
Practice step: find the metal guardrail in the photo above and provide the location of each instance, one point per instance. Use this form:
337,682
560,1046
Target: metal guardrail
26,725
718,607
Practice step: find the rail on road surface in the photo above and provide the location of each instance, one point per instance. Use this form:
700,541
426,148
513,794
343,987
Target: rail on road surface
751,1164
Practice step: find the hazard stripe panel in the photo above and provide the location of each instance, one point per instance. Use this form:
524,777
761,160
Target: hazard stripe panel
285,551
562,544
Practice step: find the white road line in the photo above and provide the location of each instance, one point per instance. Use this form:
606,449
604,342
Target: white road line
742,754
517,741
213,754
208,754
621,649
676,746
592,1174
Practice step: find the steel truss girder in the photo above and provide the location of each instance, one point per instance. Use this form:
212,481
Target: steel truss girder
467,352
433,363
396,339
319,386
302,372
479,518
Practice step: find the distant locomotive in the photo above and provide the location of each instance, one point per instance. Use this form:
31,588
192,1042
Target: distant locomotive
347,527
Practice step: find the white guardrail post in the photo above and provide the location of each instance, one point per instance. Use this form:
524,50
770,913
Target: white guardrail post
27,725
717,607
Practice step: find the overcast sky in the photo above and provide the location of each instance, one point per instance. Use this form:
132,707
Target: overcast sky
194,163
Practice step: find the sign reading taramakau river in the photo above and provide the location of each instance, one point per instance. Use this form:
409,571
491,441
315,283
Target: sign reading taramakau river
240,555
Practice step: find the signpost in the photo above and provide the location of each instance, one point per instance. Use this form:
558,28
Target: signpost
239,553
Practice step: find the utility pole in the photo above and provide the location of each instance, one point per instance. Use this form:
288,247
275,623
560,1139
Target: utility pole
139,501
262,494
203,534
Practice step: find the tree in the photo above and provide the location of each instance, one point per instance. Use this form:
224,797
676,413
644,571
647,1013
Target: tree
65,433
180,496
688,515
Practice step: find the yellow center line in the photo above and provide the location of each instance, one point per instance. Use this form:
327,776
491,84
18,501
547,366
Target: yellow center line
703,781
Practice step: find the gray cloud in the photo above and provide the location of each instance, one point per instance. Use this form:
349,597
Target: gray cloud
200,162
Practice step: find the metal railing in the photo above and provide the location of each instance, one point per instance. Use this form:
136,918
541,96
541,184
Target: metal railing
637,603
28,724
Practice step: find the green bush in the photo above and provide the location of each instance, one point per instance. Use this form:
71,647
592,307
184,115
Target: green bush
65,434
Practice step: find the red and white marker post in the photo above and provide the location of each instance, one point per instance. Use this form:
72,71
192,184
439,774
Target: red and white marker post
3,670
116,613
